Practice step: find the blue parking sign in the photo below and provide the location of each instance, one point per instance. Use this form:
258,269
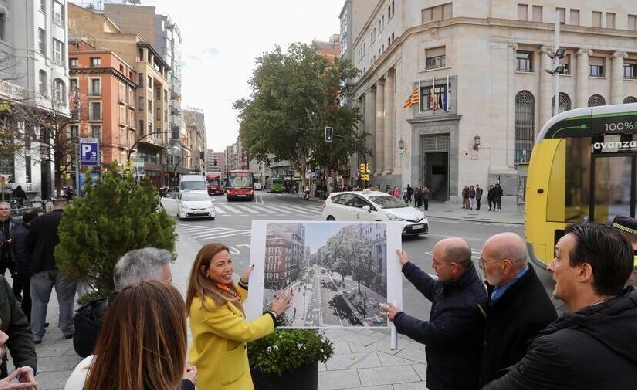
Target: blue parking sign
88,152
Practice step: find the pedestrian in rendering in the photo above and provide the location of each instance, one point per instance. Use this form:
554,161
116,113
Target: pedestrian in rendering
425,197
142,344
497,197
22,256
42,240
479,192
518,306
593,345
135,266
628,227
217,320
453,334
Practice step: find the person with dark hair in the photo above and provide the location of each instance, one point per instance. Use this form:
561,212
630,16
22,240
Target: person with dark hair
22,257
142,344
19,195
135,266
593,345
453,334
41,241
497,197
218,325
518,306
7,226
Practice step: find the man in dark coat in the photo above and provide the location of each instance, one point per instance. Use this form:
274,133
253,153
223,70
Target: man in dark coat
593,346
16,326
518,305
453,334
22,256
41,240
7,226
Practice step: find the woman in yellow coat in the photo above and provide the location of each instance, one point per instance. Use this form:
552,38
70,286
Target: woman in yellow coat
218,324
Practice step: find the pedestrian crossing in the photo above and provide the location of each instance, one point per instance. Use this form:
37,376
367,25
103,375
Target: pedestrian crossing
265,209
207,233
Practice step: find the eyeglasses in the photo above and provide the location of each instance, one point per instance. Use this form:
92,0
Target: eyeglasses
482,262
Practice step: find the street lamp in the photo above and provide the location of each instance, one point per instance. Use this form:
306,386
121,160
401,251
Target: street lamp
556,68
132,148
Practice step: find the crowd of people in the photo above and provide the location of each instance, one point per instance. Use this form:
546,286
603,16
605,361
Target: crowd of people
505,336
472,197
509,336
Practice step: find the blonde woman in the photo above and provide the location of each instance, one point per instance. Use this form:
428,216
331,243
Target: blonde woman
218,324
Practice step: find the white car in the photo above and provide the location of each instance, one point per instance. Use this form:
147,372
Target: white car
374,206
195,204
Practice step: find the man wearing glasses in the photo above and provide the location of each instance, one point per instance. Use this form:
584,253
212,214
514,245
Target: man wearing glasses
518,306
453,334
592,346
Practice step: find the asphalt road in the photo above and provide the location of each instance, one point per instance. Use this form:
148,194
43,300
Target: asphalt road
233,221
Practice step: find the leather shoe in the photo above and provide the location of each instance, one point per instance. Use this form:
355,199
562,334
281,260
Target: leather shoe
68,336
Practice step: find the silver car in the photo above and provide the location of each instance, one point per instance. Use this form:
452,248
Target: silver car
195,204
374,206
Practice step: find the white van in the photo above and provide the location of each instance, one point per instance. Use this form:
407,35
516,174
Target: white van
192,183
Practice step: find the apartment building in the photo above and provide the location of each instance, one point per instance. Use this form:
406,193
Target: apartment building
152,94
103,88
34,73
453,93
194,138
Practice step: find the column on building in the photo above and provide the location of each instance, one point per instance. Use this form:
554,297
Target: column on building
581,89
390,122
380,127
370,120
547,86
617,78
512,91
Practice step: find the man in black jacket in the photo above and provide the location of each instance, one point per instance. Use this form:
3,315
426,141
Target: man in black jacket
453,334
593,346
41,240
518,305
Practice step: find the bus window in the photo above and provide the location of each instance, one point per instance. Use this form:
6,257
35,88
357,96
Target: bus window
612,187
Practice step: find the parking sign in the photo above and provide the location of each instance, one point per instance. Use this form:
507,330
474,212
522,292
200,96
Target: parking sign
88,151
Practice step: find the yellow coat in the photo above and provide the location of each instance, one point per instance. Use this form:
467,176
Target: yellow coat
219,349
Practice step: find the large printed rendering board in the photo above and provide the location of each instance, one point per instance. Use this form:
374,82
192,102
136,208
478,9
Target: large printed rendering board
339,271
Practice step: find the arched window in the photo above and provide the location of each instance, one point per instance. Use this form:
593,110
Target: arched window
596,100
630,99
524,126
565,103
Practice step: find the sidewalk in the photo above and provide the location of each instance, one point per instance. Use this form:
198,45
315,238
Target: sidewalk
363,358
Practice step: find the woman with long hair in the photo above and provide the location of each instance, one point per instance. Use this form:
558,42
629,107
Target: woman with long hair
142,343
218,323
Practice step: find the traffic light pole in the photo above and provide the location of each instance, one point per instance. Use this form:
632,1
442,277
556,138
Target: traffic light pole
360,151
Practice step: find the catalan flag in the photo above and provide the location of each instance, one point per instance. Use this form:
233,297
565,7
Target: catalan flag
414,98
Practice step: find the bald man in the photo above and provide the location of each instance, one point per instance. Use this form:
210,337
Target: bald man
453,334
518,305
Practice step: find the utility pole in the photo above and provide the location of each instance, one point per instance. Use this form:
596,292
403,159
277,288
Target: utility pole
556,67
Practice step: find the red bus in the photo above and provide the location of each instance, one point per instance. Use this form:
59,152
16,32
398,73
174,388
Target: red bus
213,182
240,185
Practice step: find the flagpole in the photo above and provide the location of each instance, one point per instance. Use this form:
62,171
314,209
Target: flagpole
419,103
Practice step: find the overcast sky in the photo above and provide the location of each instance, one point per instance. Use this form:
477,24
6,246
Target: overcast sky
221,39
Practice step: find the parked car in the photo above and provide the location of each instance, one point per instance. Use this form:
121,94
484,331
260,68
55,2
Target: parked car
374,206
195,204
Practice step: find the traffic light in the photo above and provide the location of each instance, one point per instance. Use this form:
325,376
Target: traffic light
363,168
329,134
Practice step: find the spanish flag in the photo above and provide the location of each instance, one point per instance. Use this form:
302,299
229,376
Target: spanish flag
414,98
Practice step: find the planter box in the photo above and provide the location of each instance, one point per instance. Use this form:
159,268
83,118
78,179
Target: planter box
303,378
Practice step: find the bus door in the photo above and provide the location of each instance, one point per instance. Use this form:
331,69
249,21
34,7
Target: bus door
614,186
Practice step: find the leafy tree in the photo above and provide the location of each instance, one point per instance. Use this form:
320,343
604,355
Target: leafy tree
294,96
348,253
115,215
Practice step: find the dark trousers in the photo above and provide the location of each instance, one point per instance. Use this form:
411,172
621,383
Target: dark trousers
426,203
478,203
22,288
497,203
490,203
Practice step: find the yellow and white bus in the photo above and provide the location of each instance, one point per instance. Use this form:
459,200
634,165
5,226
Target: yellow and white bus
583,168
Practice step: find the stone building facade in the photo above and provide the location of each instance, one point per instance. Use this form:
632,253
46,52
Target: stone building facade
454,93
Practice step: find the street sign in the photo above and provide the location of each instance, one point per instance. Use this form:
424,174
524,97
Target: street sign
138,167
365,177
88,151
